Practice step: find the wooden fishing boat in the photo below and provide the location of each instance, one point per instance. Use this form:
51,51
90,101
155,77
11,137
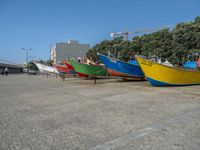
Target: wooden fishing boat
72,70
198,63
45,69
62,69
70,67
190,64
162,75
88,70
120,68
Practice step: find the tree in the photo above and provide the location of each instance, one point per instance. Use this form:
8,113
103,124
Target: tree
49,62
32,66
173,45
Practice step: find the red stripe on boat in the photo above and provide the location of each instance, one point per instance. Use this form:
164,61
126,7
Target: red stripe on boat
68,65
61,68
81,74
115,73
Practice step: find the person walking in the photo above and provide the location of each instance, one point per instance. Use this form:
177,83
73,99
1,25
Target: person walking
6,71
2,71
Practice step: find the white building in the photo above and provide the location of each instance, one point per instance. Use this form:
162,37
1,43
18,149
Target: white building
72,48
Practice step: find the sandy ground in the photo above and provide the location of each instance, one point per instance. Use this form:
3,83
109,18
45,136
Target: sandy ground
46,113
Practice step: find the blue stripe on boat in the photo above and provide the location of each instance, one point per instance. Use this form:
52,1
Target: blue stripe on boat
120,66
159,83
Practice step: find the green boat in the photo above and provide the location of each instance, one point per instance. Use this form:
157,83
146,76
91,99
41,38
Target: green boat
88,70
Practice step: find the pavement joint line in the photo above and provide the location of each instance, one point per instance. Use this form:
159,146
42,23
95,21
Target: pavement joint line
122,141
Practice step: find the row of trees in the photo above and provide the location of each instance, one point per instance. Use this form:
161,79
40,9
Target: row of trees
174,45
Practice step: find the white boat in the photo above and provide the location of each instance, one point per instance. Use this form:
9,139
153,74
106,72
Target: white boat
166,63
45,69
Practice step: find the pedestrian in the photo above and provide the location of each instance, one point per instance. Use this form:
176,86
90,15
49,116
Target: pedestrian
6,71
2,71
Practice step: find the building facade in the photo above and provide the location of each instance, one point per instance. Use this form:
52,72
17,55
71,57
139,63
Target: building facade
71,49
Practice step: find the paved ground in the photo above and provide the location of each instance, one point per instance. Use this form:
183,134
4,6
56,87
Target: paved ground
45,113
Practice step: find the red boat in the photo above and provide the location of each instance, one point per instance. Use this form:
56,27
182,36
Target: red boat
72,70
68,65
62,68
198,63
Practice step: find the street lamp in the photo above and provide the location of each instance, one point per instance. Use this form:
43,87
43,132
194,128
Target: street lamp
27,49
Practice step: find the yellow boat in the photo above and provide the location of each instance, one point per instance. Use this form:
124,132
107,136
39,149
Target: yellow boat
162,75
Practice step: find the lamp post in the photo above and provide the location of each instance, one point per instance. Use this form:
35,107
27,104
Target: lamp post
27,49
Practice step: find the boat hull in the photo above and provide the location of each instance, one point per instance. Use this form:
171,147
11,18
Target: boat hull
68,64
161,75
62,69
190,65
198,63
88,70
45,69
119,68
72,70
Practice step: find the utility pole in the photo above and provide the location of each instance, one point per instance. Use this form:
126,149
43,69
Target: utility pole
27,50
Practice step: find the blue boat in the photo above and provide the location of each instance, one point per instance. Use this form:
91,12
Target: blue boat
120,68
190,64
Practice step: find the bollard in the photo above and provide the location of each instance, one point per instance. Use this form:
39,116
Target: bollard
47,75
63,78
95,79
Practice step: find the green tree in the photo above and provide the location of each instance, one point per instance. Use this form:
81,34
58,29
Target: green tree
173,45
49,62
32,66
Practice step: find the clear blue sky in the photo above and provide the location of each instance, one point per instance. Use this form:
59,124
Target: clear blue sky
37,23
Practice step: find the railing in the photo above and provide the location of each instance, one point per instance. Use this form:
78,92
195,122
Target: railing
7,62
